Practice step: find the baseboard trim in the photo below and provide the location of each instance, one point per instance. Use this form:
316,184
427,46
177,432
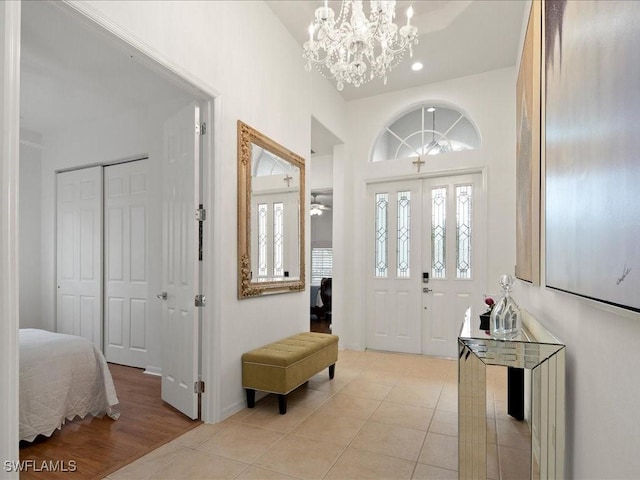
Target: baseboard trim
150,370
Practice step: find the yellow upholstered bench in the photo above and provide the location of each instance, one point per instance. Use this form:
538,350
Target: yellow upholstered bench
283,366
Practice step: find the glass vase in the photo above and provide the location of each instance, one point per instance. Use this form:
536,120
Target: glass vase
505,322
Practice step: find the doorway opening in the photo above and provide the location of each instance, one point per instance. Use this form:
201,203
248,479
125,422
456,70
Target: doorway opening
87,98
321,292
321,289
425,261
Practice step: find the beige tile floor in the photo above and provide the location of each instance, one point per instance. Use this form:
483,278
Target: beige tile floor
383,416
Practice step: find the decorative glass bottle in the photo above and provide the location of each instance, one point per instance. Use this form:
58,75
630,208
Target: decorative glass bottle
505,322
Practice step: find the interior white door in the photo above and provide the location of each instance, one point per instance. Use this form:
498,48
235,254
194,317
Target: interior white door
393,266
79,253
454,254
180,270
127,243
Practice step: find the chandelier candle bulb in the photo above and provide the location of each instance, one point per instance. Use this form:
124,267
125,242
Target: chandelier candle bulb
409,15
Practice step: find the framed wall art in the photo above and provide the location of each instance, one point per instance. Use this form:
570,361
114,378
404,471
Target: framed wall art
592,151
528,104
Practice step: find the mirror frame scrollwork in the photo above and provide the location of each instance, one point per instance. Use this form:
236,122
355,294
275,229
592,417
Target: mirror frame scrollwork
247,287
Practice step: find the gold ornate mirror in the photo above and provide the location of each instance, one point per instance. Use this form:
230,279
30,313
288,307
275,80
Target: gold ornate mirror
270,216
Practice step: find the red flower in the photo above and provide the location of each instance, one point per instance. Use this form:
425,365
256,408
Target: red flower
489,301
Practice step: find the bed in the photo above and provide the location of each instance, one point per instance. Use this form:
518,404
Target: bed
61,377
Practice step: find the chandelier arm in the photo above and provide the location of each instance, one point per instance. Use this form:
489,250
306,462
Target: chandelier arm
320,61
400,49
377,25
344,11
441,136
446,139
432,147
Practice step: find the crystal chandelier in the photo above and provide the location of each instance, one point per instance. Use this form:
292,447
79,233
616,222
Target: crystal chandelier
353,48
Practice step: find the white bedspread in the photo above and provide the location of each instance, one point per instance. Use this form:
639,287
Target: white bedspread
61,377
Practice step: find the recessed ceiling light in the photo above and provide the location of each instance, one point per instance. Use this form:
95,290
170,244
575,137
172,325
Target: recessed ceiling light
416,66
431,109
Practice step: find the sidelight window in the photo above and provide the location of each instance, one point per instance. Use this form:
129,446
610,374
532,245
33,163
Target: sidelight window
439,232
381,233
463,231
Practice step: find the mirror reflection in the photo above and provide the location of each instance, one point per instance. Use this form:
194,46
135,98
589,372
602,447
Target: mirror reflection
275,205
270,216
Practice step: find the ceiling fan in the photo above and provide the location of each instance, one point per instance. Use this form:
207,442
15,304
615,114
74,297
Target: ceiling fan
316,207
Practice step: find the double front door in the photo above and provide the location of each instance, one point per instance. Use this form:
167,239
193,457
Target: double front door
426,261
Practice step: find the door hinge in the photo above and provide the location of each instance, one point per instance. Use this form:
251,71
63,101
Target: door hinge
201,215
201,300
198,387
201,128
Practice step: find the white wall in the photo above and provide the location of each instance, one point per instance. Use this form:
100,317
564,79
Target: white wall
328,106
30,238
321,172
203,41
488,100
602,439
321,179
322,230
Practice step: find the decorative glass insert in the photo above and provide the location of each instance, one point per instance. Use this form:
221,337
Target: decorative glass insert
404,234
278,239
426,130
463,231
382,232
262,239
438,232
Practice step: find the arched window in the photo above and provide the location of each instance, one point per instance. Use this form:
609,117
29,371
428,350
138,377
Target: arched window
265,163
426,130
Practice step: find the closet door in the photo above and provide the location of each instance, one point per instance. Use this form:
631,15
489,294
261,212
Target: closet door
79,253
127,270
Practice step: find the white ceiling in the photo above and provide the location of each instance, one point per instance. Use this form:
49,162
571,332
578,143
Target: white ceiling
457,38
70,73
322,196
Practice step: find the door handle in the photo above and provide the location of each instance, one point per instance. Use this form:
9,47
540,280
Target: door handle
426,290
162,296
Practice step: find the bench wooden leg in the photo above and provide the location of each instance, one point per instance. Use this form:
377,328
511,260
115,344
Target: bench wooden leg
282,404
332,371
251,397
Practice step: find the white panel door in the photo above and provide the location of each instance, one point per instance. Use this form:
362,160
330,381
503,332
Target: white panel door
393,267
180,270
79,253
454,254
127,255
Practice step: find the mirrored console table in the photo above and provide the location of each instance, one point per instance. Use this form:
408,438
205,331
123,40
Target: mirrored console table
534,349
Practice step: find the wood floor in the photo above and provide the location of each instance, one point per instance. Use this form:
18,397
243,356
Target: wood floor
321,326
99,446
